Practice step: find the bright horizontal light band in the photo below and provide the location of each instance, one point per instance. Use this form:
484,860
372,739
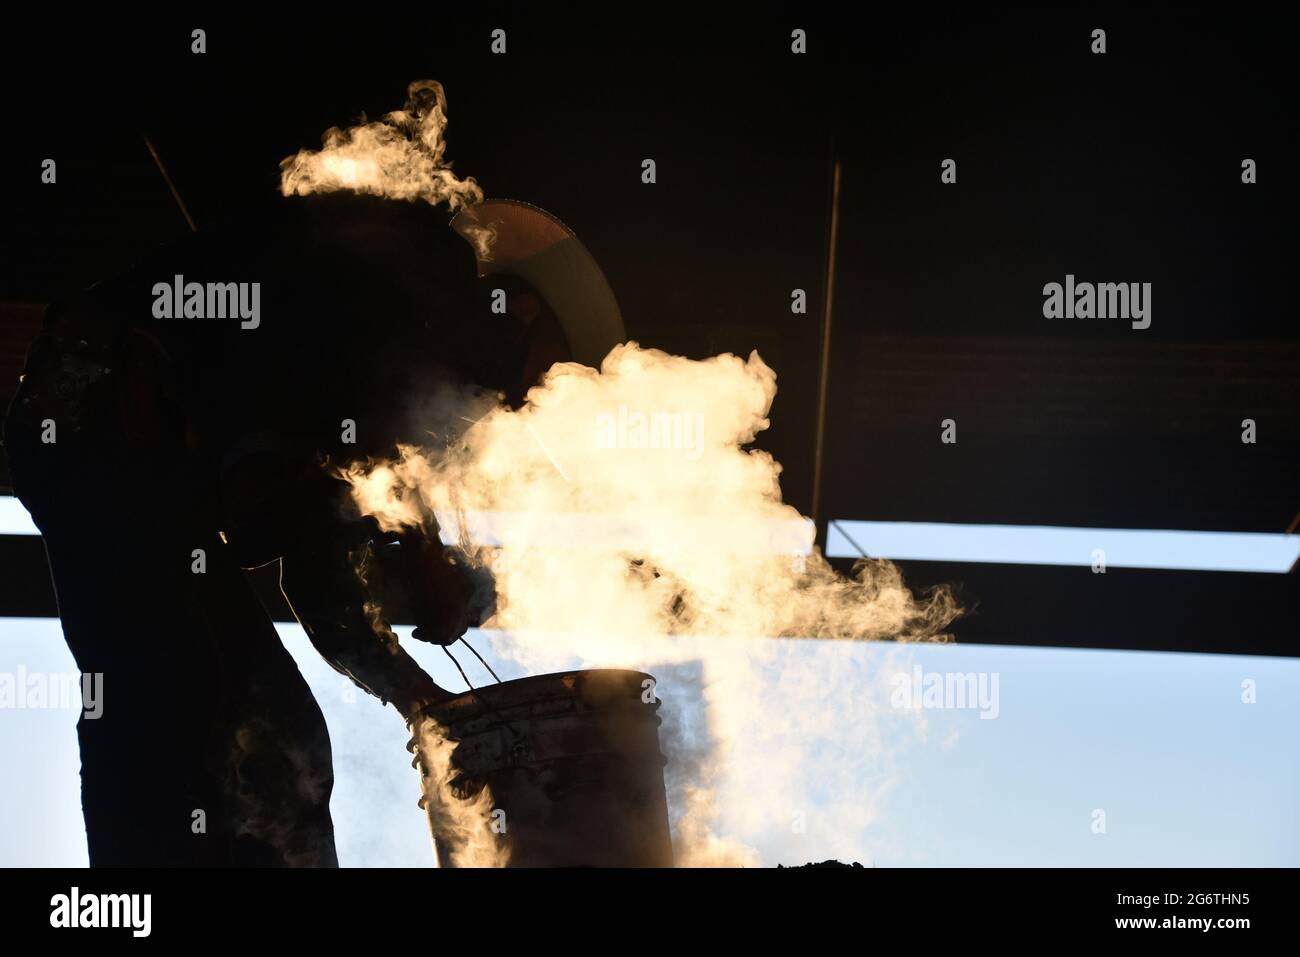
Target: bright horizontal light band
541,531
536,530
915,541
14,519
1056,545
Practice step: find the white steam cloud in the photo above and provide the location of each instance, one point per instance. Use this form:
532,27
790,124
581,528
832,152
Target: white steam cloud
645,551
401,156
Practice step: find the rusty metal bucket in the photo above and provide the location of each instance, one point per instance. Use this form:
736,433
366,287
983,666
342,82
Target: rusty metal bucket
571,766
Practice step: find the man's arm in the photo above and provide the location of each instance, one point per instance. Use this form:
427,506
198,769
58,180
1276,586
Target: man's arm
301,514
329,598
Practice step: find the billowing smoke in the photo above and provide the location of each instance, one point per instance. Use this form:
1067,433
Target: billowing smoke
457,818
398,157
628,523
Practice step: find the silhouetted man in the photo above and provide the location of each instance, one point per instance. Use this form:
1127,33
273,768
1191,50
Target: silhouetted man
172,429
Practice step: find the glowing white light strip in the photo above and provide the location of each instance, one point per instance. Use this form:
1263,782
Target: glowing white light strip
531,530
916,541
1056,545
784,537
14,519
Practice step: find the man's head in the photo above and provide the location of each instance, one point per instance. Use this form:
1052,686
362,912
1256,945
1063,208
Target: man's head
501,296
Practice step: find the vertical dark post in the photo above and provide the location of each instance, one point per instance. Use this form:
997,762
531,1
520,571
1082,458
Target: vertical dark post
823,375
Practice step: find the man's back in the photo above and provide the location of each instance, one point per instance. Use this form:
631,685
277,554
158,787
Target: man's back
187,443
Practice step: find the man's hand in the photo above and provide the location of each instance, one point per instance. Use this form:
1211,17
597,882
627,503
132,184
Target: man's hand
443,604
446,596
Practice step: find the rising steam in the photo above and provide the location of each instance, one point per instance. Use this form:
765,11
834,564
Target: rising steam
398,157
628,524
455,817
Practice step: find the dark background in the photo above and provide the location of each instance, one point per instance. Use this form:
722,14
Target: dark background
1119,167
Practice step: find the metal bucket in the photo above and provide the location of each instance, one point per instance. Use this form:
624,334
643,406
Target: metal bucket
572,767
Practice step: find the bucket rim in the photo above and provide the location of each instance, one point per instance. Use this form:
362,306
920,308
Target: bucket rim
469,703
